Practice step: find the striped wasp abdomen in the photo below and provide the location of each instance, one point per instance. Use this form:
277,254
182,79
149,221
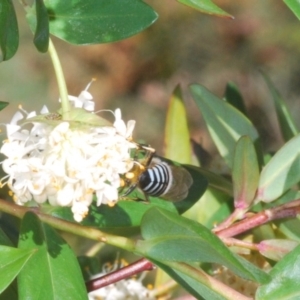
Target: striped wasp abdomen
158,178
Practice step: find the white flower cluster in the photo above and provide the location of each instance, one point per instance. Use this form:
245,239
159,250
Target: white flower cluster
123,290
126,289
67,164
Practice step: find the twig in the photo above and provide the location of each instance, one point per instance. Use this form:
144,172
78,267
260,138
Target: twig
115,276
288,210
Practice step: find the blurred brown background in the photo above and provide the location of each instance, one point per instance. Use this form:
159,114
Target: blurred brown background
183,46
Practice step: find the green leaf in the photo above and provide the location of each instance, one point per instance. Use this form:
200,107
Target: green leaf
169,237
207,7
12,261
245,174
281,172
287,126
285,279
3,105
54,273
4,239
96,21
41,35
217,182
9,33
225,123
213,208
294,6
290,228
177,137
234,97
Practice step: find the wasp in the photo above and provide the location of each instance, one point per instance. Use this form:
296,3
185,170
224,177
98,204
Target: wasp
157,178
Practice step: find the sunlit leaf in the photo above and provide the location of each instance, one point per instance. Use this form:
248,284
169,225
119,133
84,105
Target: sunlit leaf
9,33
225,123
281,172
12,261
207,7
41,35
169,237
234,97
287,125
294,6
177,137
54,267
285,279
245,173
96,21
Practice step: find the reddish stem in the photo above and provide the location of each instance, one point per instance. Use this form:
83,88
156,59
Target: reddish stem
115,276
287,210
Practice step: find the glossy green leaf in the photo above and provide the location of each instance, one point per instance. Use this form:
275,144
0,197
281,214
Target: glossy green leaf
9,33
169,237
294,6
207,7
12,261
54,267
41,35
287,125
281,172
96,21
225,123
285,279
276,249
245,173
177,137
234,97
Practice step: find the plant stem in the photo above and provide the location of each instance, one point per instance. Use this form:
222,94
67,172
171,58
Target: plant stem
63,92
115,276
74,228
288,210
238,243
